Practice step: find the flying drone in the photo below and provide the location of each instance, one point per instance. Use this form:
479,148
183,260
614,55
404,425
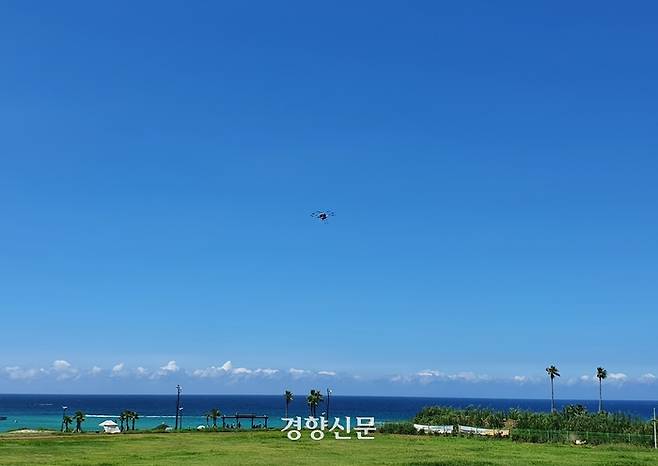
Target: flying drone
322,215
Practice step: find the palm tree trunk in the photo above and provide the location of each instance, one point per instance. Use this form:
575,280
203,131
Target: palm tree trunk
600,397
286,408
552,397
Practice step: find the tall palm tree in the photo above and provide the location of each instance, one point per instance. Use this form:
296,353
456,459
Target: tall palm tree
133,417
79,417
552,372
601,374
66,421
313,400
288,396
122,417
214,414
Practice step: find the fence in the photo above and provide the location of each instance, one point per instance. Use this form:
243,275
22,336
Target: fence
595,438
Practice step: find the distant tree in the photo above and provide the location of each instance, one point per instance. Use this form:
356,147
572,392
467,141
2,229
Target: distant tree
66,421
214,414
552,373
79,417
313,399
288,395
122,418
601,374
207,419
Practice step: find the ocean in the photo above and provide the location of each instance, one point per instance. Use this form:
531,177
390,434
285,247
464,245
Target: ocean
45,411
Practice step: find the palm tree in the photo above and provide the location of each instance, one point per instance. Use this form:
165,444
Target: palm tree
552,372
313,400
122,417
133,417
214,414
79,417
66,420
601,374
207,419
288,396
125,416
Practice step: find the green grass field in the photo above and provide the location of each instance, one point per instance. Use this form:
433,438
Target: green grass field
272,448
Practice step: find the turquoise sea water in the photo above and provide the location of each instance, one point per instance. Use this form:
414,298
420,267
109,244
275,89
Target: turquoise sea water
45,411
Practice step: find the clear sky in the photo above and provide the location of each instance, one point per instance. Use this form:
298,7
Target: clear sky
492,167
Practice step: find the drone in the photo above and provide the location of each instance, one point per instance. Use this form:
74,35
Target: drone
322,215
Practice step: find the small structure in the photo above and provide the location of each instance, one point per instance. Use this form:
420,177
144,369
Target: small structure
238,424
110,427
447,429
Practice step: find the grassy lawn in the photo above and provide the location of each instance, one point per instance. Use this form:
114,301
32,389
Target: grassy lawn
273,448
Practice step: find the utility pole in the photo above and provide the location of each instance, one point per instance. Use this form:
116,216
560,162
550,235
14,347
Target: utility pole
328,393
655,439
178,389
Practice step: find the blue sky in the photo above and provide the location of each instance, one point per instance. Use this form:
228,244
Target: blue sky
492,169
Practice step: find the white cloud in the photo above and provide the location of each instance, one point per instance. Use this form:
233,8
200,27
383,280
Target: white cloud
63,370
617,376
267,371
213,371
61,365
228,370
119,370
170,368
296,373
430,375
469,377
18,373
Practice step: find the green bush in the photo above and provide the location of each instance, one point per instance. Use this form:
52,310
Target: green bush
470,416
573,423
397,428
